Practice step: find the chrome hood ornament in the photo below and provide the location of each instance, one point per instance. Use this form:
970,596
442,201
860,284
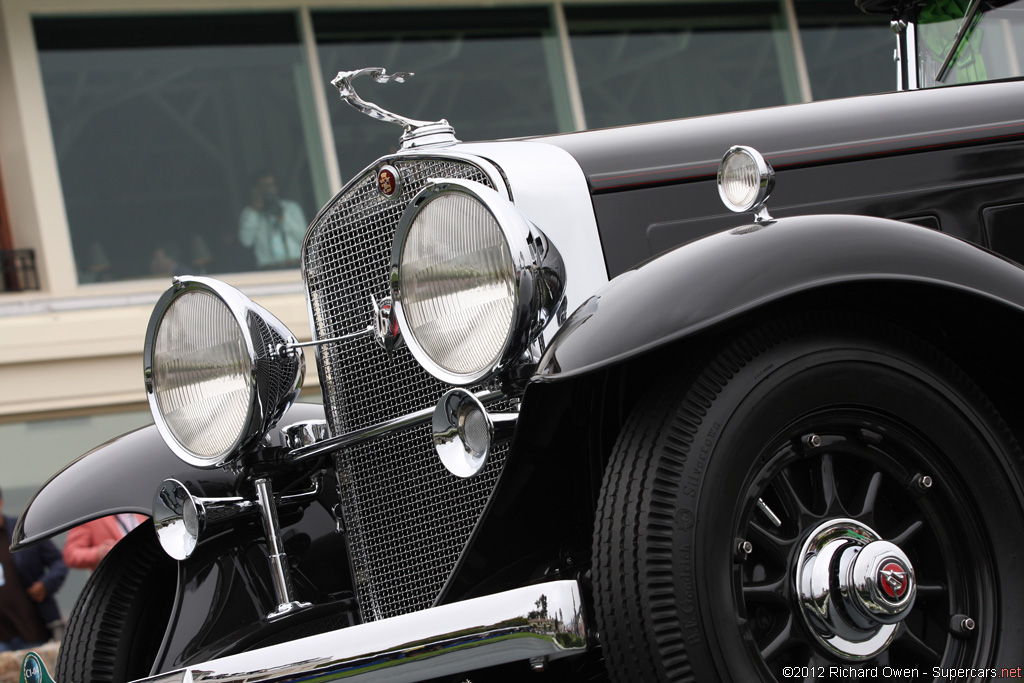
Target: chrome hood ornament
416,133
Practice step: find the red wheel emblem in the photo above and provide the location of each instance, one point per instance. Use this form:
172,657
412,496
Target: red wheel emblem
389,183
892,577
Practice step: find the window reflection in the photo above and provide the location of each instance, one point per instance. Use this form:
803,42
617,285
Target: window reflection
159,125
847,52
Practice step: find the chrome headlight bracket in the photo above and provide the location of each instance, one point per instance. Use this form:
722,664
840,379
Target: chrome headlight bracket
539,280
273,379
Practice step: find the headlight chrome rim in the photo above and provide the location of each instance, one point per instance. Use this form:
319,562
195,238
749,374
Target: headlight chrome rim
765,179
265,404
538,274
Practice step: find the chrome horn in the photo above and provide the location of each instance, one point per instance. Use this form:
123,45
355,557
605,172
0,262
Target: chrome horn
464,432
180,517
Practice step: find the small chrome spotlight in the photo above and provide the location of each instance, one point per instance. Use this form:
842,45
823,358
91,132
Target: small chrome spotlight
745,180
464,432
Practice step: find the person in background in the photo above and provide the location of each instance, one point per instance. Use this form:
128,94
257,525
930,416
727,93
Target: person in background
273,227
164,262
89,543
29,578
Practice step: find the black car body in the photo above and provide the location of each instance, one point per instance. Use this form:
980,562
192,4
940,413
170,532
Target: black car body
709,448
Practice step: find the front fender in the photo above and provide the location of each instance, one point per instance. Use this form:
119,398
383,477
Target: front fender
121,476
721,276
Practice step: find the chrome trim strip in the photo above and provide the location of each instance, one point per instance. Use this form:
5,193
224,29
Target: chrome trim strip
378,430
440,641
913,58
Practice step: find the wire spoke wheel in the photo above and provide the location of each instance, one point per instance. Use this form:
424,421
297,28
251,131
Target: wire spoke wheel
825,492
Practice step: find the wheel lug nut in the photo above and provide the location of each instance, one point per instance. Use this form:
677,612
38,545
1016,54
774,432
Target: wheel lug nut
743,549
922,482
812,441
961,625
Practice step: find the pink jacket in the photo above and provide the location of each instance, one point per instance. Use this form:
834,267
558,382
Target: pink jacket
89,543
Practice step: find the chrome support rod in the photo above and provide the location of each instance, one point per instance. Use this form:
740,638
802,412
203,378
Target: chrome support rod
961,34
376,431
279,570
285,349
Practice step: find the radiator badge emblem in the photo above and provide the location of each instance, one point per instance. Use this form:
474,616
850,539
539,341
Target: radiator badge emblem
389,182
385,325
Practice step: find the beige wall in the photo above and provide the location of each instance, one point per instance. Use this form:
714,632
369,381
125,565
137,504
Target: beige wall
92,359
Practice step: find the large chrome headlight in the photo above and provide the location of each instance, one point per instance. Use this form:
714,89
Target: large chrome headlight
215,376
473,281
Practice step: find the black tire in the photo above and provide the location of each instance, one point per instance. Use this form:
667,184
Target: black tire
675,597
117,625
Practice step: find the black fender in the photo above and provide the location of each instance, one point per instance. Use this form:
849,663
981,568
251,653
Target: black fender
122,475
719,277
224,591
690,299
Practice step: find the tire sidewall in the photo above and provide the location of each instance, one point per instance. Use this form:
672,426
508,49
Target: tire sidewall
771,391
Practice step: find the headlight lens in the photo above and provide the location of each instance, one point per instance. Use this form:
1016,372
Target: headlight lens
458,285
216,376
202,375
745,179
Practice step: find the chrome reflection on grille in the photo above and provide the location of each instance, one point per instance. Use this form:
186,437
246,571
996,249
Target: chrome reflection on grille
407,517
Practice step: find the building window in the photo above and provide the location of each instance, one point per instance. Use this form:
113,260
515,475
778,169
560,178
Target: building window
649,62
169,130
492,73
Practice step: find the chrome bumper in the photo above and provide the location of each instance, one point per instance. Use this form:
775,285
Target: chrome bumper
441,641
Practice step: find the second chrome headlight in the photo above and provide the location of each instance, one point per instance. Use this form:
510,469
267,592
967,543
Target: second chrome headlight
215,377
473,281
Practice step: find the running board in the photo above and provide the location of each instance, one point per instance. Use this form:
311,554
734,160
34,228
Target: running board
531,624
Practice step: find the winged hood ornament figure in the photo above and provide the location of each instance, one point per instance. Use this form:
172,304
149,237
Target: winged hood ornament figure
416,133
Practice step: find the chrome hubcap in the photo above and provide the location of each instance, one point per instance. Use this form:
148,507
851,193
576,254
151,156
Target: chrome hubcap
853,588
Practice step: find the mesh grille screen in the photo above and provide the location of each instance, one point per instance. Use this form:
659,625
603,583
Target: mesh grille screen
274,375
407,517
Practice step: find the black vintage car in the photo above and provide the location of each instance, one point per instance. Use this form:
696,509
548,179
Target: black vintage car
580,417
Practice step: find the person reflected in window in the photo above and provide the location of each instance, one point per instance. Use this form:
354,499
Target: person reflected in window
272,227
164,262
29,578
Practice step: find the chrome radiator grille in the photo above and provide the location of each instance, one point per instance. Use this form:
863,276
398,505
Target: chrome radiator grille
407,517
